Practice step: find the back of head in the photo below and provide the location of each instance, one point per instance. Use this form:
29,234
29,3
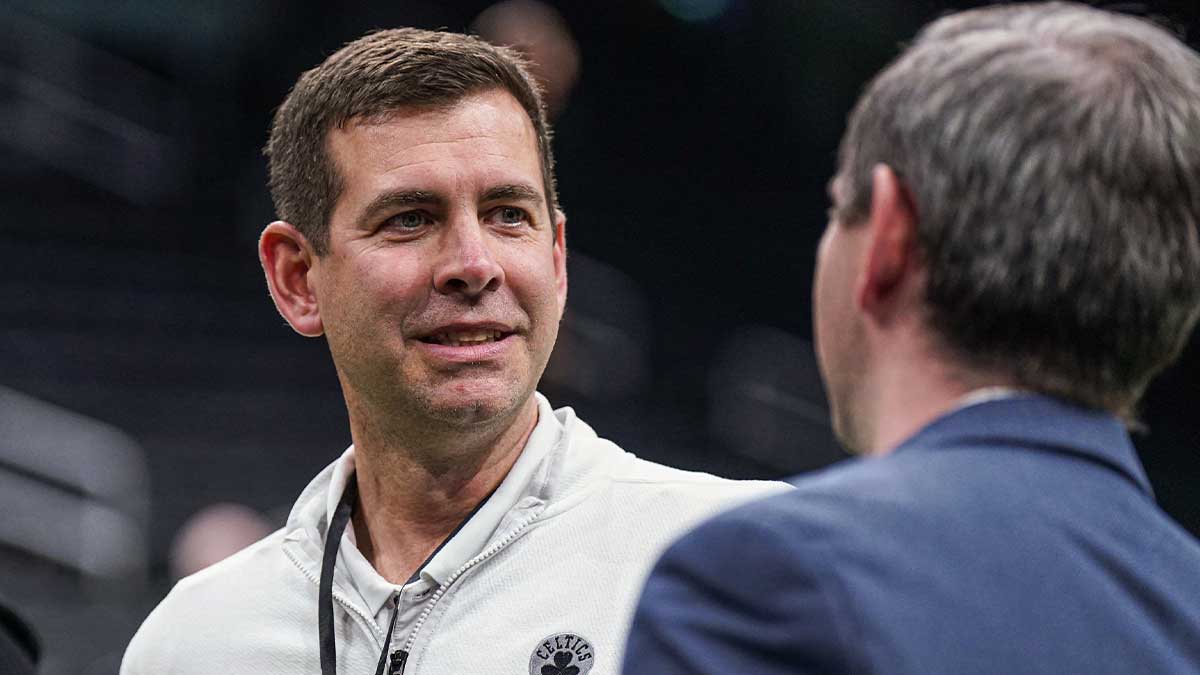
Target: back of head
1052,152
368,79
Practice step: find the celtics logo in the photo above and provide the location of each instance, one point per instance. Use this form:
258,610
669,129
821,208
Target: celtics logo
562,654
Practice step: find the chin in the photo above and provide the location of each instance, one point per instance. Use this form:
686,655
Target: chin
477,406
467,413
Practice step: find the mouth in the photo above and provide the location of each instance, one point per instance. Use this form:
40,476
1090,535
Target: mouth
467,335
465,338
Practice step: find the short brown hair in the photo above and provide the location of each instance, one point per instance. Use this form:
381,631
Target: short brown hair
372,77
1050,150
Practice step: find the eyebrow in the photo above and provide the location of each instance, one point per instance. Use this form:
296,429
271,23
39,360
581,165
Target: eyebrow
391,200
397,198
515,191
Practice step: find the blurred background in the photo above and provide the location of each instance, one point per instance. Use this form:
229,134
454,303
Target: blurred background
155,411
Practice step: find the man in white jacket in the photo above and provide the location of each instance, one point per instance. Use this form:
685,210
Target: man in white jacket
470,528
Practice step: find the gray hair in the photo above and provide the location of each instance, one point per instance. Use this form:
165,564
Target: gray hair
1052,152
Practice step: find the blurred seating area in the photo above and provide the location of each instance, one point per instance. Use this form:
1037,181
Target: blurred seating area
155,408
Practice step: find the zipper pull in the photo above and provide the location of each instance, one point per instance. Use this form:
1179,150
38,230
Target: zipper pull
387,642
399,658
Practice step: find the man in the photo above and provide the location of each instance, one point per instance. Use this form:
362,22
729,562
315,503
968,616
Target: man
470,528
1011,257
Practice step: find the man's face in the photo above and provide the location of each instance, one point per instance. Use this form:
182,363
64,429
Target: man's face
836,322
444,282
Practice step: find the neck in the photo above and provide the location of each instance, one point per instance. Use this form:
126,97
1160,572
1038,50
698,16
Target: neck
911,389
412,495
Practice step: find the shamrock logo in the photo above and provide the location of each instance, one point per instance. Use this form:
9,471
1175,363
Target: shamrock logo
562,654
562,661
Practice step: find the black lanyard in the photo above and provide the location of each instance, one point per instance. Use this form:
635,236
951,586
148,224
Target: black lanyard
333,539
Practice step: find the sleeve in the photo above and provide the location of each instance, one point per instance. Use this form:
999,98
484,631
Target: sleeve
740,594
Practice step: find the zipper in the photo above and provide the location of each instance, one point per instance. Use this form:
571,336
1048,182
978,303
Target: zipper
398,659
400,656
387,641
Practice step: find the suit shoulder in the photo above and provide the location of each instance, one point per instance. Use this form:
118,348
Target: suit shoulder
758,587
827,508
779,517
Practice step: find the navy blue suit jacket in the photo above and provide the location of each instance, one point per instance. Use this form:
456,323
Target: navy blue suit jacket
1013,536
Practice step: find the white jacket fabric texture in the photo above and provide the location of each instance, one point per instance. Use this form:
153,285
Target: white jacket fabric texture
552,593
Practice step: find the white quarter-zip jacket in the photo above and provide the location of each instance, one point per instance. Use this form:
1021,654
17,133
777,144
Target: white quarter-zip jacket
552,590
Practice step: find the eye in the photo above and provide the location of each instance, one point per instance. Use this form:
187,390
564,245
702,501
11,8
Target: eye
510,216
408,220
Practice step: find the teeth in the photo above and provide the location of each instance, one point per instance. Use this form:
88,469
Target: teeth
469,337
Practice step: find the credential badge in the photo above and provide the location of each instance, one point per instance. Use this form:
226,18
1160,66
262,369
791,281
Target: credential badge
562,654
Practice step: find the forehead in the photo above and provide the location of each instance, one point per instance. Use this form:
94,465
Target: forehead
484,138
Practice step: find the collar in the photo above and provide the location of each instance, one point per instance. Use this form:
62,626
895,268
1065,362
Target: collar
985,394
574,465
1036,422
469,541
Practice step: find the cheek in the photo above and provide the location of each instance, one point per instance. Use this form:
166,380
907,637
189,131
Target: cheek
821,280
379,293
536,286
831,299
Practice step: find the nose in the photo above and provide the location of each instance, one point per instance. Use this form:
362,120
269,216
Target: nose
467,265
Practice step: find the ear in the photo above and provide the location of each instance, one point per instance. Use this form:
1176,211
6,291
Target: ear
287,260
891,246
560,259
